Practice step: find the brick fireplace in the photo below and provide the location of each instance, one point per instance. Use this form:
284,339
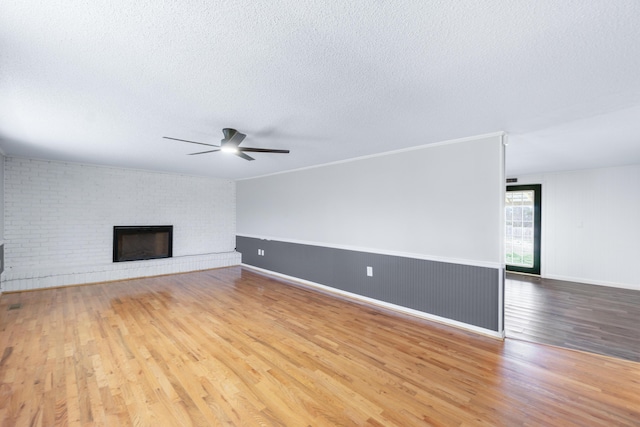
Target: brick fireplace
137,243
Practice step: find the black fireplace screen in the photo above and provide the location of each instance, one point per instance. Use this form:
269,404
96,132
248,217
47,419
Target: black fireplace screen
133,243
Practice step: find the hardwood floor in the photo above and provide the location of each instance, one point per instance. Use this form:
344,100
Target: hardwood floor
233,347
584,317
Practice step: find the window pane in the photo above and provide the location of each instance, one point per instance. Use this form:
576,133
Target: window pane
519,223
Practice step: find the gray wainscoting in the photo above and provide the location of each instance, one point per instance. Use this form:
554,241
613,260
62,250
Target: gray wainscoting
464,293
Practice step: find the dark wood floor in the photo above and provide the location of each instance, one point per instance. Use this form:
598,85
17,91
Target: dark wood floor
578,316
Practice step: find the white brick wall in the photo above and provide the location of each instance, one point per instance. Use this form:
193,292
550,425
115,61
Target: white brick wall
59,220
1,199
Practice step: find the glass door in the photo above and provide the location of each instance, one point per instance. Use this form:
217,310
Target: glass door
522,228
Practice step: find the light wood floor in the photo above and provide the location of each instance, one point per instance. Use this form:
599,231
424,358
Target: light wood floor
592,318
232,347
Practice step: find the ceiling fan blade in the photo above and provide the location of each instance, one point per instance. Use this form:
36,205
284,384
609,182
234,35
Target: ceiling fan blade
203,152
238,138
192,142
232,137
228,133
244,156
262,150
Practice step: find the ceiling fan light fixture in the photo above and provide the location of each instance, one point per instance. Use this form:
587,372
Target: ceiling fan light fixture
229,149
232,139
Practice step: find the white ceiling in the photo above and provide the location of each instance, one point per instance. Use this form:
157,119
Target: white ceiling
101,82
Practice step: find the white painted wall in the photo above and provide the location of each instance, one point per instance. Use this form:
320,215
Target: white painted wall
591,225
1,198
59,220
441,201
1,213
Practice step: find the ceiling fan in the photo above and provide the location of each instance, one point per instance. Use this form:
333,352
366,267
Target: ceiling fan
231,144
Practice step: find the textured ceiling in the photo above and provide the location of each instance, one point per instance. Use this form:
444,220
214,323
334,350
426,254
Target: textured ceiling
102,81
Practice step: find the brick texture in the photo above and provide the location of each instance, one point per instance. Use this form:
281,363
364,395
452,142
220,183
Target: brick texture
59,220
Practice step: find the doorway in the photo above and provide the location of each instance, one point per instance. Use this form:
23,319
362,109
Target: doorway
522,228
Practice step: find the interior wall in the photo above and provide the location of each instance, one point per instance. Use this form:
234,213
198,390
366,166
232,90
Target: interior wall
437,202
427,214
59,220
590,227
1,198
1,217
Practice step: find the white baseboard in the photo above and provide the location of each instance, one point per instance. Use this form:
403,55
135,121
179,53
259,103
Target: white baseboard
593,282
383,304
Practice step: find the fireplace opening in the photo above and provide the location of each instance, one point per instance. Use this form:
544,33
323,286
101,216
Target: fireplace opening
134,243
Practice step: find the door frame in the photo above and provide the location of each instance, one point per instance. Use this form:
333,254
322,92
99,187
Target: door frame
537,227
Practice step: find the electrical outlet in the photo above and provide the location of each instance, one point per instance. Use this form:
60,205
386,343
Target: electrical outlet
369,271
